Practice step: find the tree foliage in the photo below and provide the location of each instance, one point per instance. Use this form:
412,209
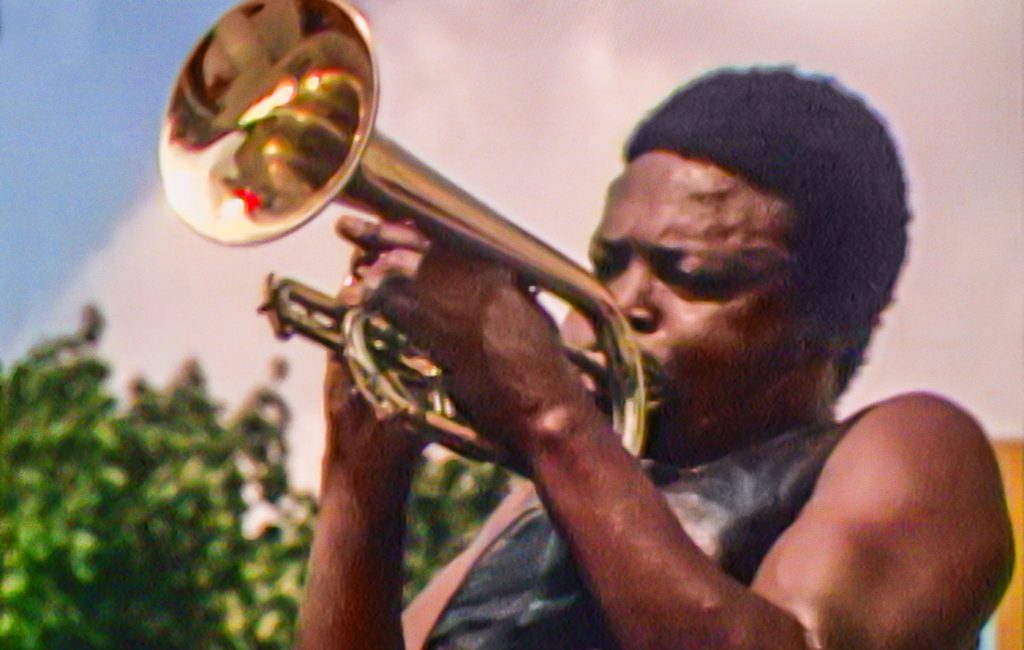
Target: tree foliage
450,500
122,525
122,528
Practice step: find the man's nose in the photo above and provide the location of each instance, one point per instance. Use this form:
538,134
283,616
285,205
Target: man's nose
632,292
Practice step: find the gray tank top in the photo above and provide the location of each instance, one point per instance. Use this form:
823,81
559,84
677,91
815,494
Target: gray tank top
525,592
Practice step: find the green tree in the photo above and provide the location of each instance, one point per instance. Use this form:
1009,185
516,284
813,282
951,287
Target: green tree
450,499
121,526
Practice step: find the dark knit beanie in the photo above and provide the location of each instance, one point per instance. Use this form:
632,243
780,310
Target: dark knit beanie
810,141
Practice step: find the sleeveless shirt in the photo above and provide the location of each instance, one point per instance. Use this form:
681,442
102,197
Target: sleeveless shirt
525,591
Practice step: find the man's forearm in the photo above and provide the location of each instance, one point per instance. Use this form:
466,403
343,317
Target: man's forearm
655,586
354,592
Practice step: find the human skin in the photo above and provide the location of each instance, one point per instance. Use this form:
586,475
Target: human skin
904,543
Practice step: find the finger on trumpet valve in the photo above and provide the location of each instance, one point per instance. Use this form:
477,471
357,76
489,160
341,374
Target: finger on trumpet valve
369,232
592,365
591,362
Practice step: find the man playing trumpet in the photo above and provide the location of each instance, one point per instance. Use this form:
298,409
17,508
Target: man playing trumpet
752,239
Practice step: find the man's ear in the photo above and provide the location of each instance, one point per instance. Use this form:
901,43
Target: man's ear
849,353
816,340
820,345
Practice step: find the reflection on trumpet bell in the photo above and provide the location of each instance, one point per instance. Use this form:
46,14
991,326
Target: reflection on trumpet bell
298,136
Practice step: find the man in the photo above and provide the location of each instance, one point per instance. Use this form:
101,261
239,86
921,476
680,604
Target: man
752,240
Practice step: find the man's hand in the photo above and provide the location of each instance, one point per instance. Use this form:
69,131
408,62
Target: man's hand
502,357
355,438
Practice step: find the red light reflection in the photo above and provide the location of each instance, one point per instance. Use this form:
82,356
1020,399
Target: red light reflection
251,199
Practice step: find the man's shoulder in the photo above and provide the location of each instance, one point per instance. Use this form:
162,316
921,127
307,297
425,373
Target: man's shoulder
920,411
915,443
915,449
906,535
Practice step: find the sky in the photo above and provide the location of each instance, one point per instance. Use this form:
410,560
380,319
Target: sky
526,105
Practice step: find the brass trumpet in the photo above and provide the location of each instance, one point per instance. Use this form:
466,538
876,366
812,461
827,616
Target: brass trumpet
272,119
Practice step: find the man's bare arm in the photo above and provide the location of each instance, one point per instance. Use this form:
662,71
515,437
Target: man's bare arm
905,545
656,587
354,591
906,542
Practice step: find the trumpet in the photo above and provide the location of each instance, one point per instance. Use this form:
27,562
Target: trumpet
271,120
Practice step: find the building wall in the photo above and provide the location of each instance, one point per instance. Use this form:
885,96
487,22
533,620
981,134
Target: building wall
1009,619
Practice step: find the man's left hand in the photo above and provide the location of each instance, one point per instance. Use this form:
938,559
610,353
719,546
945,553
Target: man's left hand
503,361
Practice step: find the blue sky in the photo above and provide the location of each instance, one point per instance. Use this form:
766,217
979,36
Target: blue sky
83,85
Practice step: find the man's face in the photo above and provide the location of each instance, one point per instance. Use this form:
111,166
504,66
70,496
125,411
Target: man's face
697,260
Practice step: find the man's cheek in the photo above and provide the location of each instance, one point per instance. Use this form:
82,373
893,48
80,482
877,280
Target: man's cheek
706,326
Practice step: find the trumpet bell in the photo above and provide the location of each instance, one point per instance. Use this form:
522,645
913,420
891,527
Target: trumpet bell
268,118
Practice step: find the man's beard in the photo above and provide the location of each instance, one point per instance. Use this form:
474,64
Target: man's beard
694,388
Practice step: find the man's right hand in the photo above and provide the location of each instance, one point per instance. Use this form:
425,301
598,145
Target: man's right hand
356,440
